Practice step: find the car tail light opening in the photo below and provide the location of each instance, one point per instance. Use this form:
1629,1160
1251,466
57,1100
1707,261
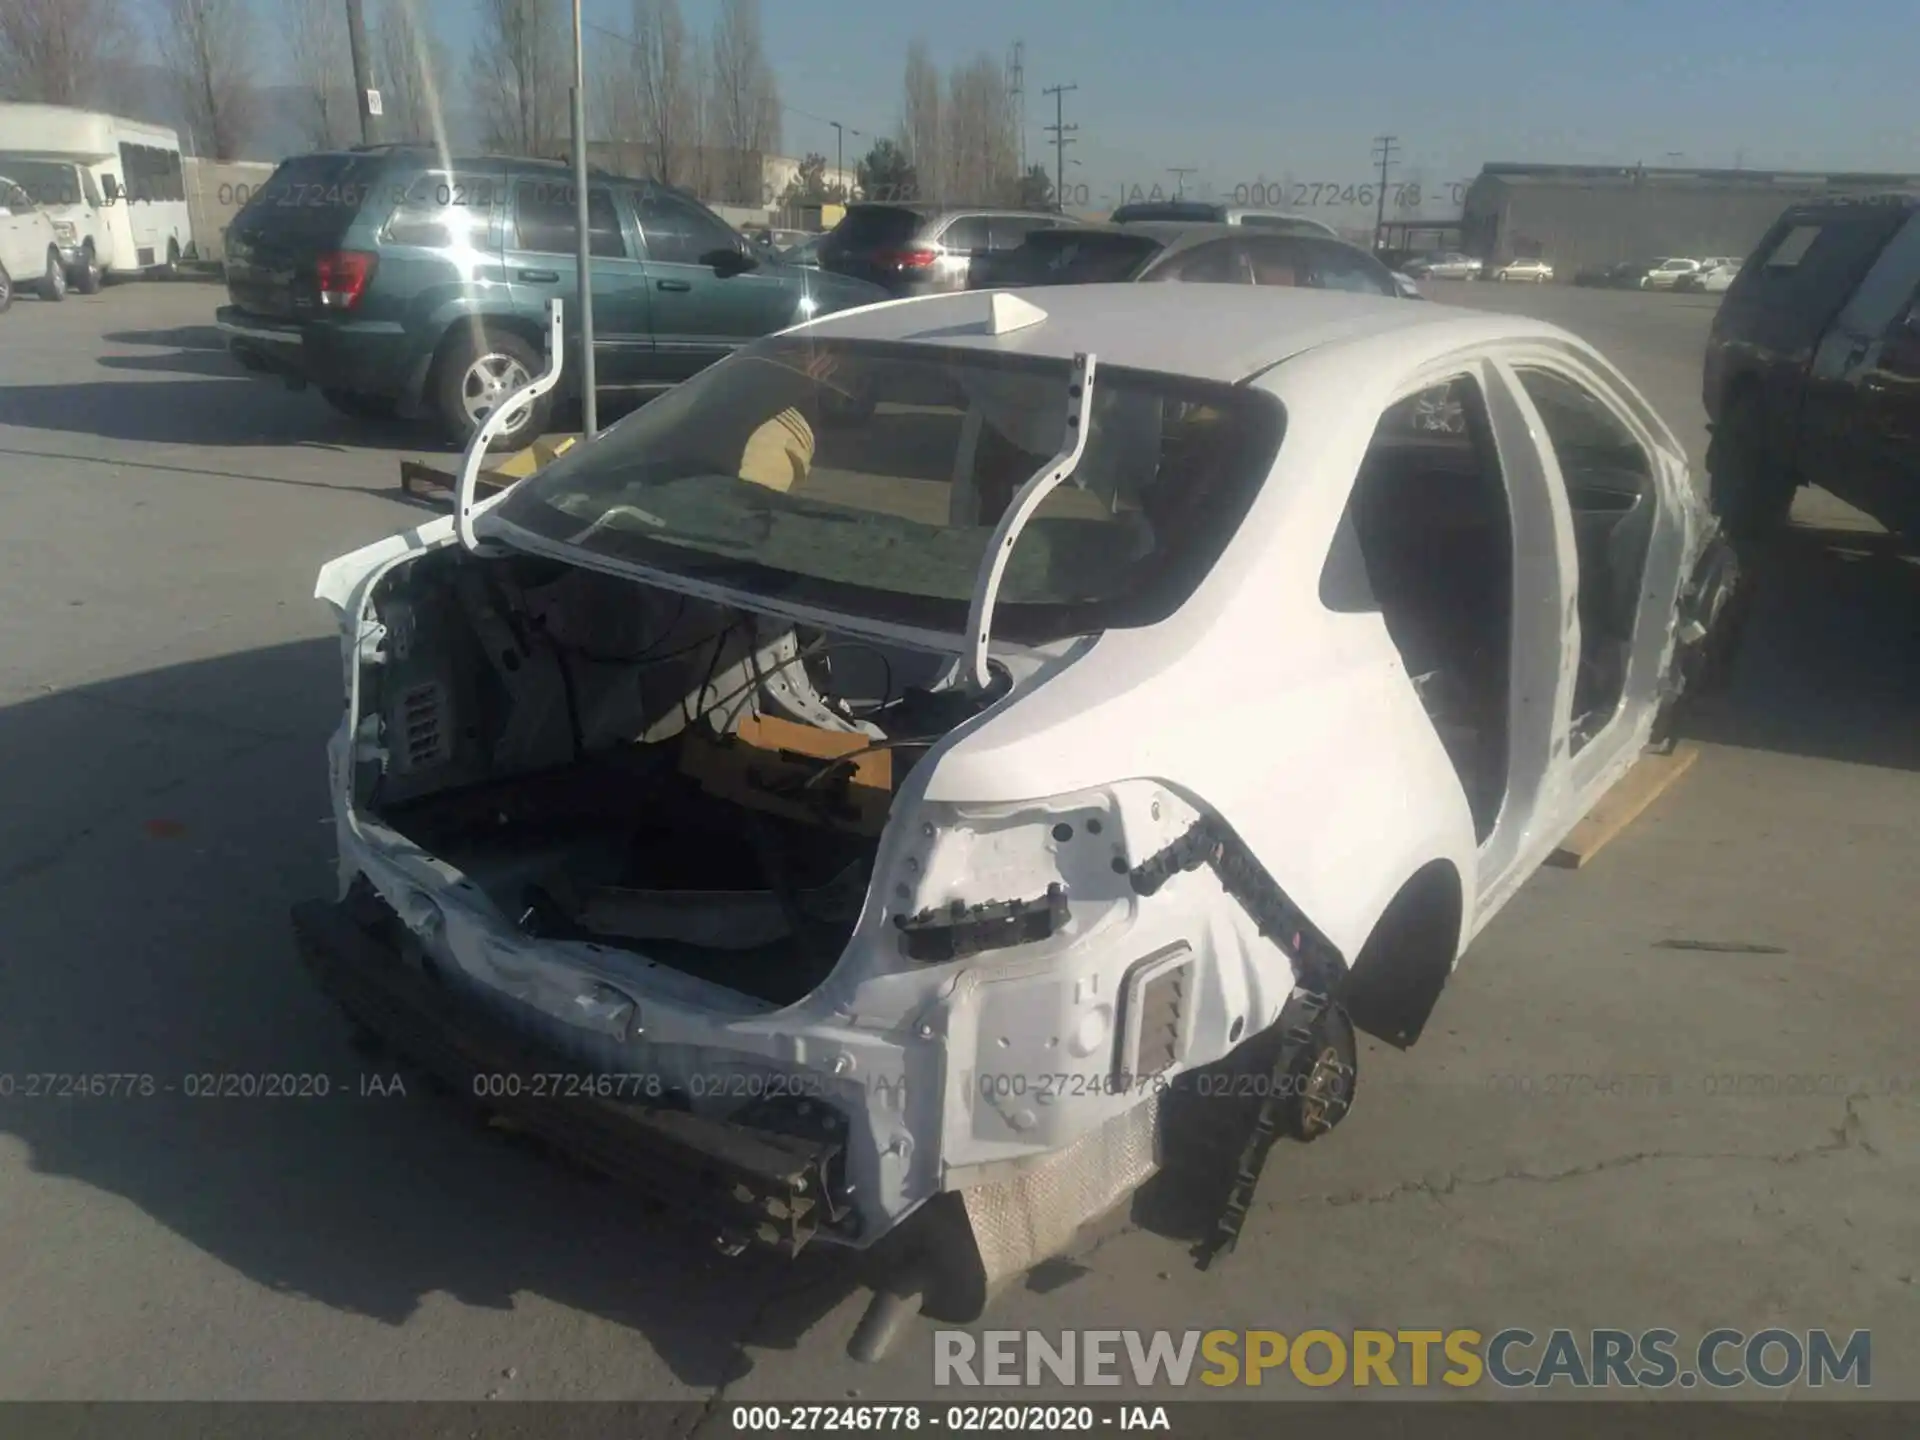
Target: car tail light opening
343,277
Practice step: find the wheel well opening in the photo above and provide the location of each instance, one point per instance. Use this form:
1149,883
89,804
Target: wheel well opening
1396,980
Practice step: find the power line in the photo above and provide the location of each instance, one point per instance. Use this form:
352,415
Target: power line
1062,133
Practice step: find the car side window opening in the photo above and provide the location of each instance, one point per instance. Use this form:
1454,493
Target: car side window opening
544,220
966,235
677,232
1219,263
1609,486
445,211
1885,297
1010,232
1430,529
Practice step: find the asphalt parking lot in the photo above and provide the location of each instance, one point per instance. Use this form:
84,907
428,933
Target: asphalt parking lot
1606,1125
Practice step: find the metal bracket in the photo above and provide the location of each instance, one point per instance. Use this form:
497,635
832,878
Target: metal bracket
1026,500
465,508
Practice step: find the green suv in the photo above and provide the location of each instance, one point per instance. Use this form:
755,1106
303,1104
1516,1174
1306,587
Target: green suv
397,284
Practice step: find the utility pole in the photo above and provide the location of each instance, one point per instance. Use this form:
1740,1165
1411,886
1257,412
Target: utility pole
583,255
1061,131
1384,146
1179,174
366,98
840,133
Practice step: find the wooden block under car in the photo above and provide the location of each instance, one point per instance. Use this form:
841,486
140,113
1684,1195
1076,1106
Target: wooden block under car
1646,782
767,755
428,482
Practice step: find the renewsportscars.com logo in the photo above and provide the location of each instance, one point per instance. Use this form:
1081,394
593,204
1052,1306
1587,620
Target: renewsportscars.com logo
1510,1359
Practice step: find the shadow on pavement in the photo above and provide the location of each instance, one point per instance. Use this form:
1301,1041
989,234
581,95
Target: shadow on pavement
1829,665
178,337
237,411
144,933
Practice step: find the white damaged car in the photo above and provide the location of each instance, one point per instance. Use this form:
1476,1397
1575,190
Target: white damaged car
952,760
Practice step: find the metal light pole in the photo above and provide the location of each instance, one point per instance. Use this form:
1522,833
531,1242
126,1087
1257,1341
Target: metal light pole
589,395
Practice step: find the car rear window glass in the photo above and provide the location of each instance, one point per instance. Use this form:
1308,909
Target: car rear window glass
313,197
868,478
875,227
1166,210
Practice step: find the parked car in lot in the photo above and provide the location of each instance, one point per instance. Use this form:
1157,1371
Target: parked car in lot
1537,271
1205,213
1623,275
29,247
923,249
1668,273
1712,278
66,192
1718,280
1812,373
925,702
1447,265
1147,251
393,283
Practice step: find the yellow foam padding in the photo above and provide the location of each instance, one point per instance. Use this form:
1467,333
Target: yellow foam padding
780,453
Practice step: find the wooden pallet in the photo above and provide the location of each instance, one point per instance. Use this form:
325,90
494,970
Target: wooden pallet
1646,782
425,482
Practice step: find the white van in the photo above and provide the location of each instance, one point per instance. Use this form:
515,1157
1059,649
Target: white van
114,189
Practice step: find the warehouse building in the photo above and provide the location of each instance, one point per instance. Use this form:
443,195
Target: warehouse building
1580,217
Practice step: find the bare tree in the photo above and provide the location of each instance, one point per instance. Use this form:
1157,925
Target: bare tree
322,69
60,52
663,96
520,76
920,129
207,47
981,134
412,66
745,99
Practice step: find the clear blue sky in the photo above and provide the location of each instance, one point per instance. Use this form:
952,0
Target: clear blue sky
1254,90
1251,89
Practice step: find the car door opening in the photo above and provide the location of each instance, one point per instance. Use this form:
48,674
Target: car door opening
1428,544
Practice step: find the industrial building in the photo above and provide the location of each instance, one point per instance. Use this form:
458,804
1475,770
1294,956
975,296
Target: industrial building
1578,217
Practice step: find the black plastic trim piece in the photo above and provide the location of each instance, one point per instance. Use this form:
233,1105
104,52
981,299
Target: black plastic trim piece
961,930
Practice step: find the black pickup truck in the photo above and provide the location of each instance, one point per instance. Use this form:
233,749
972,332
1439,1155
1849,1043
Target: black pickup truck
1813,368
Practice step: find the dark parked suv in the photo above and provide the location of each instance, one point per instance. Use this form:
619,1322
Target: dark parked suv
1813,368
924,249
393,283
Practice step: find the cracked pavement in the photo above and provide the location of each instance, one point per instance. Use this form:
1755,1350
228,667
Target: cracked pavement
1595,1130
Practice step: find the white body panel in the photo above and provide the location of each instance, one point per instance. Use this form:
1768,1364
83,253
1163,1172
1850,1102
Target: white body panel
1254,703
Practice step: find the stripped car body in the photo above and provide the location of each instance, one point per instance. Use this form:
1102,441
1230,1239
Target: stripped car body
1191,780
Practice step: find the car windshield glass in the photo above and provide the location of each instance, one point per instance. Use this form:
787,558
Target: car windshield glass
47,181
1066,257
867,478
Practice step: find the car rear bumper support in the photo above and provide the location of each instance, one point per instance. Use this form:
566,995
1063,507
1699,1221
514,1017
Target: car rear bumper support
747,1187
